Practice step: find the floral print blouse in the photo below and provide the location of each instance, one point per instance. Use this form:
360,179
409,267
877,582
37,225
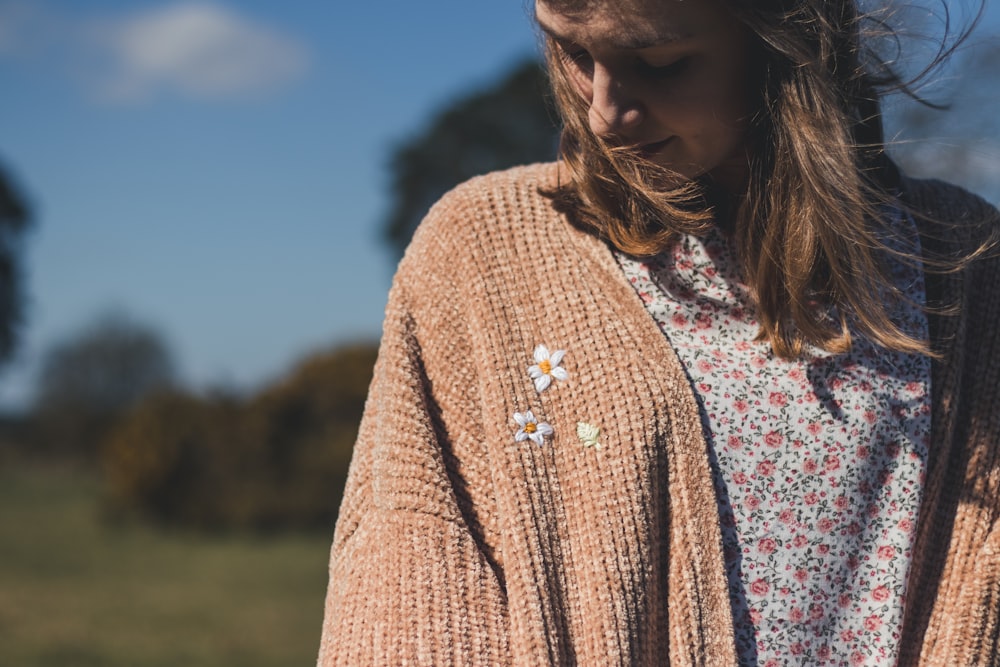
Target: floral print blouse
818,462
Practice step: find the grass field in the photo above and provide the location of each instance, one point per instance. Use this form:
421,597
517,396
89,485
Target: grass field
76,591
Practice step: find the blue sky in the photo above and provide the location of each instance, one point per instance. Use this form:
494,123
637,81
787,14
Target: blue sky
217,169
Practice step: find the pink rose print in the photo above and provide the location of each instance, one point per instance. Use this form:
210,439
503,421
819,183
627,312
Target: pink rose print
774,439
880,593
765,468
873,623
760,587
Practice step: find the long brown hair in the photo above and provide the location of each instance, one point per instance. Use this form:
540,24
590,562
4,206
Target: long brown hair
810,230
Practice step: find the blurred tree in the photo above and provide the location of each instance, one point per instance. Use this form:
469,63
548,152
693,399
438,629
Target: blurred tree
276,460
14,221
171,459
91,378
507,124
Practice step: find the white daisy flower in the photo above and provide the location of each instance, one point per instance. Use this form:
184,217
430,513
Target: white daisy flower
531,428
547,367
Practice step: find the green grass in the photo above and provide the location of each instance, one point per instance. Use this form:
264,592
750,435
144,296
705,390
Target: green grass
78,591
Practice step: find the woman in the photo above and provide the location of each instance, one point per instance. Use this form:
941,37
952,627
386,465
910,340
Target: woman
719,387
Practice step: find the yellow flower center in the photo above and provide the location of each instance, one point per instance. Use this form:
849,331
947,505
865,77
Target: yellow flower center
545,366
530,427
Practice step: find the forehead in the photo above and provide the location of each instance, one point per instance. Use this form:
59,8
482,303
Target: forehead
632,24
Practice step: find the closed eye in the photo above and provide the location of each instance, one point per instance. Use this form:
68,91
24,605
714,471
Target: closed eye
664,71
578,58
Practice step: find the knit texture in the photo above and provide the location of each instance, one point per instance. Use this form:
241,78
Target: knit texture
457,545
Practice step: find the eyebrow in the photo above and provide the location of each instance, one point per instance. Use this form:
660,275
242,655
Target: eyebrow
627,41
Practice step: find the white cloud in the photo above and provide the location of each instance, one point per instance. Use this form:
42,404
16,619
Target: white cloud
198,49
195,48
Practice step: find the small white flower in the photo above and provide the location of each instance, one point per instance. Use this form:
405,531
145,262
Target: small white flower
531,428
589,434
547,367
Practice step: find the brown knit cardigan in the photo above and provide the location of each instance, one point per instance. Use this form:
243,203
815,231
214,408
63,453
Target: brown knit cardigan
457,545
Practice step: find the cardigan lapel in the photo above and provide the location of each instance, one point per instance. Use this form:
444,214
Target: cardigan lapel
700,613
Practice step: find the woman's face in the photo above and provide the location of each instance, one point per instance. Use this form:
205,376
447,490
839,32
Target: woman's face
673,79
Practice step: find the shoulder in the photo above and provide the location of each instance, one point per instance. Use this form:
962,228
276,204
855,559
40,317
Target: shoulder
504,197
951,215
483,217
950,202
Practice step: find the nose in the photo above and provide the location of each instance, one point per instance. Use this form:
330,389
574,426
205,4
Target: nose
614,111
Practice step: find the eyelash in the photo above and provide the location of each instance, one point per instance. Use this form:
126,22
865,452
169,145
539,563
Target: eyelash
665,71
581,60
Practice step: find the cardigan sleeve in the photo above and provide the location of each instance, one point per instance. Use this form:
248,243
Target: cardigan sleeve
410,583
